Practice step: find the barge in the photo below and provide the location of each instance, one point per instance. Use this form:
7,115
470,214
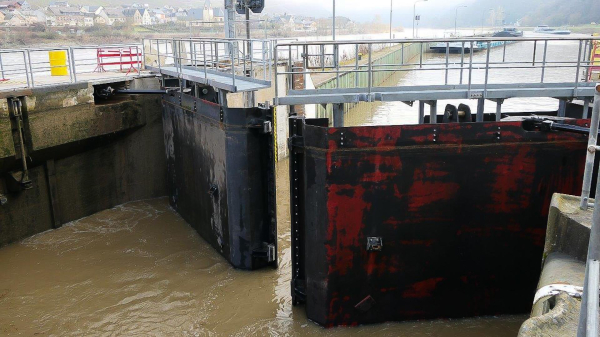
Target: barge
459,47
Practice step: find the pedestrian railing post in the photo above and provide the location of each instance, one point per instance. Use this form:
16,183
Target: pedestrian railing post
578,68
28,70
2,68
72,69
588,317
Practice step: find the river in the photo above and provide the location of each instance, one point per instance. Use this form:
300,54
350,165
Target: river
140,270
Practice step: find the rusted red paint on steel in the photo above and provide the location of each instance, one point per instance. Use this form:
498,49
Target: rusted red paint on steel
462,218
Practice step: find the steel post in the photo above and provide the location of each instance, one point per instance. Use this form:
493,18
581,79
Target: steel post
432,112
578,68
338,115
586,108
421,112
499,109
487,69
1,68
480,109
589,161
72,65
356,68
544,60
333,28
276,77
562,108
588,317
30,72
447,59
462,62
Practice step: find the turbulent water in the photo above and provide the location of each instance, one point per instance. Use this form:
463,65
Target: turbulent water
139,270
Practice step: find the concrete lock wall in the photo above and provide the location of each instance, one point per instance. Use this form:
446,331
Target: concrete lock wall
82,156
557,302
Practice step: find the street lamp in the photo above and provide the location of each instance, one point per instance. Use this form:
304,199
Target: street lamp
456,18
415,15
391,7
333,20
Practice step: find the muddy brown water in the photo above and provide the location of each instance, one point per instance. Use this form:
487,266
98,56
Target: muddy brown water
140,270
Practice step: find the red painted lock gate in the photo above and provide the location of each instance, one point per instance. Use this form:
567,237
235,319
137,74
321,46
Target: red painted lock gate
423,221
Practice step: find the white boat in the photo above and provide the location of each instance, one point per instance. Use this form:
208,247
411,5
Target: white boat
548,30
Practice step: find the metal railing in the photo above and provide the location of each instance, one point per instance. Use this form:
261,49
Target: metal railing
236,59
588,318
471,64
34,67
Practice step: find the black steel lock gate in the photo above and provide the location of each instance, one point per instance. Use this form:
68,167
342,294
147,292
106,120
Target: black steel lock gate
221,176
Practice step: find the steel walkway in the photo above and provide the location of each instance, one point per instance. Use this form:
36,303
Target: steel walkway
215,79
467,76
232,65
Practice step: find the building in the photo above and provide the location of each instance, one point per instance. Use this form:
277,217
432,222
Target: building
138,16
9,5
72,16
207,12
195,13
35,16
218,15
15,19
111,16
96,10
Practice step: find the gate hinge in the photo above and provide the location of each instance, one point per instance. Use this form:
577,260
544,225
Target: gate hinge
267,252
265,127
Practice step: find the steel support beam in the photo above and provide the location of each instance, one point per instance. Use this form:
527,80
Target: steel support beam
499,103
586,108
562,108
418,93
222,97
338,115
421,112
480,109
432,111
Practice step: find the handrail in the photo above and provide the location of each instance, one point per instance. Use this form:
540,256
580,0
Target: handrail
331,60
31,67
235,58
434,40
588,317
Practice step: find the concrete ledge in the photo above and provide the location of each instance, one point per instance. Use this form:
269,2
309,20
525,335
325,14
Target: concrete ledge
565,252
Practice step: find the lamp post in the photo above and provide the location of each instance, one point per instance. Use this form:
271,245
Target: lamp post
391,7
456,19
415,15
333,20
